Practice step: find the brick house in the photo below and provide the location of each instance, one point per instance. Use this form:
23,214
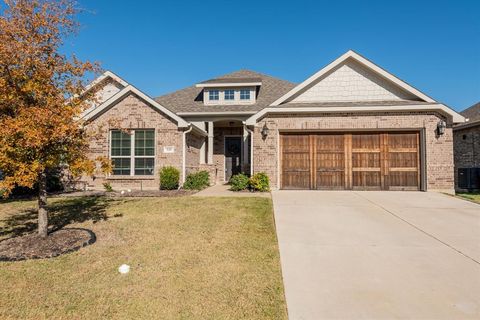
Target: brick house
466,144
351,125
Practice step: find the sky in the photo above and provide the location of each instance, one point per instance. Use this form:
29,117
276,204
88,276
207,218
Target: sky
163,46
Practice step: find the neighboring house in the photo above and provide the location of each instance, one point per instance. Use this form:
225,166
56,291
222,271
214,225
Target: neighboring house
351,125
466,139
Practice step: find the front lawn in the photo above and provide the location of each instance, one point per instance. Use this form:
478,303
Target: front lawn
474,196
190,258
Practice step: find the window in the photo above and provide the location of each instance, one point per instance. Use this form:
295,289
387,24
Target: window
120,151
142,161
244,94
229,94
213,95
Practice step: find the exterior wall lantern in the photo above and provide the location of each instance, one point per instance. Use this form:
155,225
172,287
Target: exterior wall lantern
265,131
441,125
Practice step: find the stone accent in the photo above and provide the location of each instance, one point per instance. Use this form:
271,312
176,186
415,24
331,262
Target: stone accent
438,150
134,113
466,144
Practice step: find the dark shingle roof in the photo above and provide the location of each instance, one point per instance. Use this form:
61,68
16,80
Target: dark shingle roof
473,113
231,80
190,99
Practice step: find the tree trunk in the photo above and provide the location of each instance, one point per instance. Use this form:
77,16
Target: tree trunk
42,205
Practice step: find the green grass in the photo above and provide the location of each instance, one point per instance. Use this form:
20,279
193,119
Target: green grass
474,196
190,258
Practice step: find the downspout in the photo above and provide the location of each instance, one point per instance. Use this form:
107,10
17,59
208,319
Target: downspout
251,146
184,151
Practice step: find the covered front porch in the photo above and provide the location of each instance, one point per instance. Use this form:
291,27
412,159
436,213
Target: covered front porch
227,149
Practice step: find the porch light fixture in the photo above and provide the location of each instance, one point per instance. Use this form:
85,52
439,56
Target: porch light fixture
441,125
264,131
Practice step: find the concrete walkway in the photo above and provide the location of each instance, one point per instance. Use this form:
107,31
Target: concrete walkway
222,190
378,255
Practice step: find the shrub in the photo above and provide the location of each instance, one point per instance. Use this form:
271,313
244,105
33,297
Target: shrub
238,182
107,186
259,182
197,181
169,178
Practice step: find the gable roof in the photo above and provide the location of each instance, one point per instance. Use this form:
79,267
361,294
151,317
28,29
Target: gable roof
365,63
472,113
190,99
104,76
93,113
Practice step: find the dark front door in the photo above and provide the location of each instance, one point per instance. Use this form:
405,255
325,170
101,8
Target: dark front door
233,156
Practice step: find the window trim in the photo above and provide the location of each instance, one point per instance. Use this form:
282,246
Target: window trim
132,156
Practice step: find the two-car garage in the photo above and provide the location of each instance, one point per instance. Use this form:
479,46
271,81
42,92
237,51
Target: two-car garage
351,161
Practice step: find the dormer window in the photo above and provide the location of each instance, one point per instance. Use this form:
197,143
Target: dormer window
230,91
213,95
229,94
244,94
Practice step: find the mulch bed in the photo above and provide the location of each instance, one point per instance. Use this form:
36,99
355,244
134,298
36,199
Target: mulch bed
32,246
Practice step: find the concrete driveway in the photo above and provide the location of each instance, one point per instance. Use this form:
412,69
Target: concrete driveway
378,255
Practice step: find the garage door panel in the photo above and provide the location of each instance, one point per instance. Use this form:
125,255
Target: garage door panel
402,160
328,180
403,179
366,141
366,179
364,161
296,162
329,163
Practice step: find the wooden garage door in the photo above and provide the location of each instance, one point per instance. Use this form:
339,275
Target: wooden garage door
359,161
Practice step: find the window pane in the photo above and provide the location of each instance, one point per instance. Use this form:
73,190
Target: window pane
144,166
229,94
121,166
120,145
144,143
244,94
213,95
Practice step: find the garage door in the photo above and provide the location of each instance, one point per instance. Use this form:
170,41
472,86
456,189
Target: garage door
358,161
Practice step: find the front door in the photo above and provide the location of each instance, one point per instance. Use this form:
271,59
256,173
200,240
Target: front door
233,156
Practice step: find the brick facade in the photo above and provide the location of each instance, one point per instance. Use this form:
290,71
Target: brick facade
134,113
466,144
438,149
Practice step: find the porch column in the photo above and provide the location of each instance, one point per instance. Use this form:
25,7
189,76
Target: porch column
210,143
245,158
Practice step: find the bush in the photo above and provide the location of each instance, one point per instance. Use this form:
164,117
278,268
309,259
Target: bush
197,181
238,182
169,178
107,186
259,182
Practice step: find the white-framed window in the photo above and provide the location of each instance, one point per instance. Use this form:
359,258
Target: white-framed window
133,153
229,94
213,95
245,94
